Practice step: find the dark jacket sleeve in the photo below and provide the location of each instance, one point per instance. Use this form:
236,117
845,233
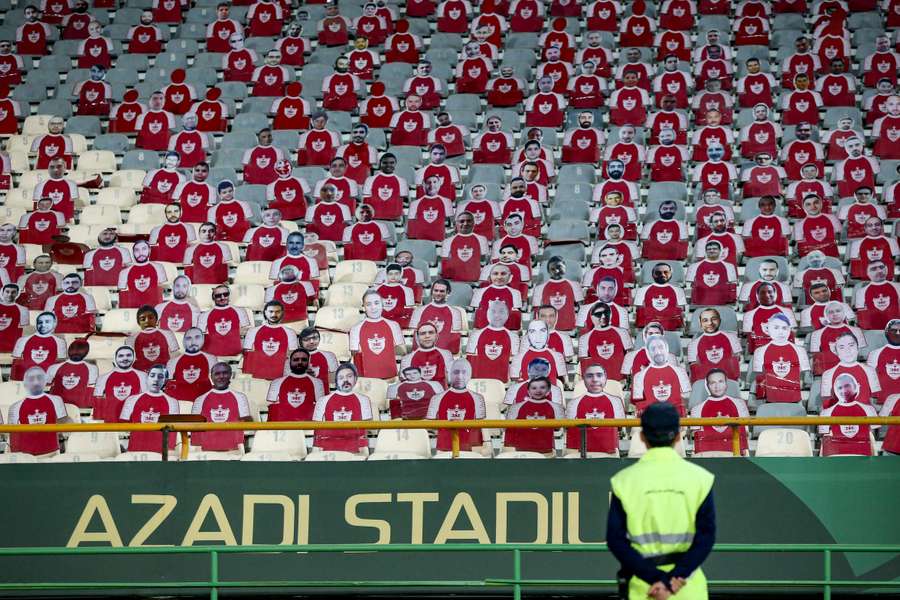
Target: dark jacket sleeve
704,538
630,559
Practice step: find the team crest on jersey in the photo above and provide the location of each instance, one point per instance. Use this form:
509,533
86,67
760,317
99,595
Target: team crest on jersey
893,369
129,115
456,413
430,215
270,346
409,125
207,260
155,126
5,321
629,103
849,430
40,287
188,147
415,394
545,108
240,64
92,95
757,88
121,391
893,134
605,350
558,301
288,194
70,382
448,138
660,302
208,114
662,391
504,88
42,224
69,310
342,415
402,46
583,143
366,238
34,37
172,240
428,370
390,302
638,29
750,29
831,52
295,397
151,351
465,253
328,219
334,26
40,354
715,354
219,414
263,161
191,374
874,254
493,145
37,418
711,279
761,137
51,149
493,350
142,283
377,343
604,13
289,297
667,160
766,233
764,177
175,322
818,233
595,414
858,174
781,367
385,192
223,326
150,416
881,302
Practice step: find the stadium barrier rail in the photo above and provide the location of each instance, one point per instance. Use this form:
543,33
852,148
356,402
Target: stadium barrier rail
214,583
183,429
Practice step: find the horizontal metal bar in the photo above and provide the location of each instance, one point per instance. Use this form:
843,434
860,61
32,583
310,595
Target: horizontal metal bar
236,584
361,548
470,424
713,582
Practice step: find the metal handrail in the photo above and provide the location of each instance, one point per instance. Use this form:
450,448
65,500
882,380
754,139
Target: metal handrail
735,423
214,583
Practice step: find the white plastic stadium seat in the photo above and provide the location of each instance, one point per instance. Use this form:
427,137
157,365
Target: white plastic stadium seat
784,442
401,444
271,445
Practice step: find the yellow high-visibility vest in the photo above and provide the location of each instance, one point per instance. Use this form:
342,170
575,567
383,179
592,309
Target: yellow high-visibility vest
661,494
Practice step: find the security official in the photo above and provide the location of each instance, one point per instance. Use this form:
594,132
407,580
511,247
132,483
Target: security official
662,521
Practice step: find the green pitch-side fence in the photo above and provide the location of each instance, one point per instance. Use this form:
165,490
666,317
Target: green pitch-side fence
516,584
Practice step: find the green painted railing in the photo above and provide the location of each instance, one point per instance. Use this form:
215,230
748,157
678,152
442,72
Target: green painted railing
214,583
